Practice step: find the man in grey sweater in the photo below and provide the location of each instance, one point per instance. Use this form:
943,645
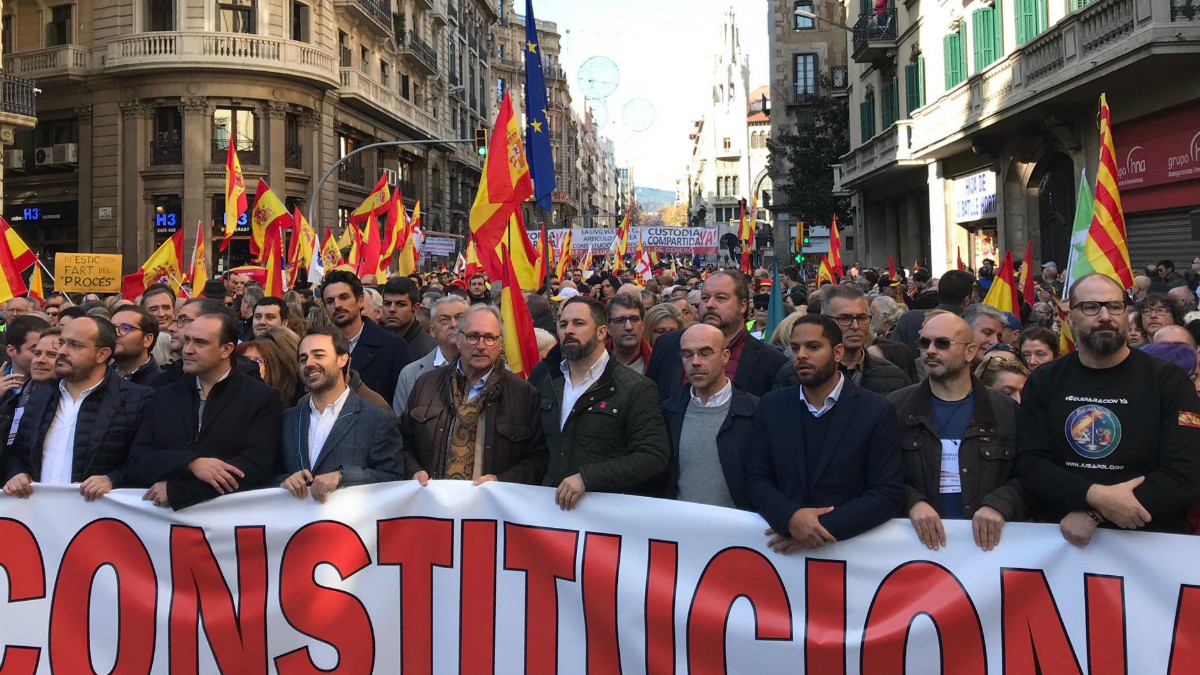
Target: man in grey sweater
708,423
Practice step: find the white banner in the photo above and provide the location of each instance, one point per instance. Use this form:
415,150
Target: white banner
677,240
455,578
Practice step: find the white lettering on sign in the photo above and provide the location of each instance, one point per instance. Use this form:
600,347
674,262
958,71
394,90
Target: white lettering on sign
975,197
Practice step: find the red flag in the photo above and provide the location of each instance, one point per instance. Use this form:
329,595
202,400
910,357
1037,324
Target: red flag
961,266
891,268
275,286
1027,291
835,249
520,342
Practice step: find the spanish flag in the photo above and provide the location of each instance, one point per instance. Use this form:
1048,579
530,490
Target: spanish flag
406,264
372,246
376,204
331,253
823,272
1003,293
36,291
394,229
11,283
275,286
1025,283
235,192
504,185
301,247
835,250
522,256
199,275
1107,246
520,342
1066,338
165,265
472,260
268,212
545,261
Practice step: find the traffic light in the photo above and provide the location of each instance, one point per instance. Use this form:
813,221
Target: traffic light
481,141
801,236
804,233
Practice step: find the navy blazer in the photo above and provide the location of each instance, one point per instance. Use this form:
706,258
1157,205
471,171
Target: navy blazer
858,473
736,433
364,443
379,357
755,371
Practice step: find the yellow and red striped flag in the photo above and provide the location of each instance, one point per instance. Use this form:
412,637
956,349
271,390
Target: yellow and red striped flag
376,204
643,271
1107,245
268,212
275,285
394,229
36,290
1003,293
823,271
835,250
504,185
1026,281
20,251
165,265
564,255
199,275
520,342
235,192
11,283
1066,338
302,247
406,263
372,246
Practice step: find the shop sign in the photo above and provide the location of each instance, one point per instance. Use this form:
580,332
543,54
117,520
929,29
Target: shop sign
975,197
1169,157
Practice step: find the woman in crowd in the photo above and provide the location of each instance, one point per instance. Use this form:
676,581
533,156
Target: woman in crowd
1038,346
661,318
1135,337
276,354
1005,375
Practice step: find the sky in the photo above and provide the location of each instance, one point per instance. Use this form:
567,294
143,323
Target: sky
664,50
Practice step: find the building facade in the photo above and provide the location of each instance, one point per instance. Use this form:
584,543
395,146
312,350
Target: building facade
971,125
141,100
18,113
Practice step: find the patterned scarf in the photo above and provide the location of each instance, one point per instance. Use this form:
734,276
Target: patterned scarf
464,428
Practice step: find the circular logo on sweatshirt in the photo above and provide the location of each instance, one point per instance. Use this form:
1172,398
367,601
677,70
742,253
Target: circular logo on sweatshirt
1093,431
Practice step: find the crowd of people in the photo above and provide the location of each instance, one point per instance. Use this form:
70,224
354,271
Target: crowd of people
873,398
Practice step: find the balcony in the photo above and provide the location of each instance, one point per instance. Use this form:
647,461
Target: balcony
373,98
452,11
1184,10
152,52
438,13
293,157
804,98
18,100
886,150
376,14
70,61
419,53
354,174
839,81
875,36
1112,39
166,150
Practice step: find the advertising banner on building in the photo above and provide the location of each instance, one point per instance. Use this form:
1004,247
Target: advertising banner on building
1164,155
454,578
669,240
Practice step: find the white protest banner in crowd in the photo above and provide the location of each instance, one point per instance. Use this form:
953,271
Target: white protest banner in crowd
670,240
456,578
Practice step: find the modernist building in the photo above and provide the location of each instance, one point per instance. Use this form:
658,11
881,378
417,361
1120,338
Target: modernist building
141,99
972,122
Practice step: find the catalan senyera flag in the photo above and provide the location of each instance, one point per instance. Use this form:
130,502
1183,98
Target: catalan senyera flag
504,185
835,249
165,265
36,290
564,255
199,267
235,192
376,204
823,271
1107,245
1026,281
520,342
268,212
11,283
621,240
275,286
1003,293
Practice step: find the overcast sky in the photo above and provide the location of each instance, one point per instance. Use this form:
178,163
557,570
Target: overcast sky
665,50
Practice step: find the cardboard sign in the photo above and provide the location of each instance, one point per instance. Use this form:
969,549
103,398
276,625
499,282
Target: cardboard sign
87,273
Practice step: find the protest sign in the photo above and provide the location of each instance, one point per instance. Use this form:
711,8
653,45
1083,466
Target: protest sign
87,273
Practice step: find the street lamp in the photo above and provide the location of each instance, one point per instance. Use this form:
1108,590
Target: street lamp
805,14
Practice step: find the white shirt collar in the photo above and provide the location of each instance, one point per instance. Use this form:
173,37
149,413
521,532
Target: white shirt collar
718,399
336,405
592,373
439,359
62,389
830,400
354,340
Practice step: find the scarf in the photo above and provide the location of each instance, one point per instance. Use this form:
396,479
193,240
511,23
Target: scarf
463,446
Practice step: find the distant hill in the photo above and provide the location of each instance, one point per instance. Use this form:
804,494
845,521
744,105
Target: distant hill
653,199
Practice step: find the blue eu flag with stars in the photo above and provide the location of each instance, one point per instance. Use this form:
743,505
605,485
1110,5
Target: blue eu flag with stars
537,130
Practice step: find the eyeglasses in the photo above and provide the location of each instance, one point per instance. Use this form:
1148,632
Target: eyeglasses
941,343
706,353
1154,311
625,320
125,329
846,320
476,338
182,320
1114,307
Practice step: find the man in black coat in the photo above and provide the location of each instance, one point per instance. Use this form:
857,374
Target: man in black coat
376,354
214,431
189,312
80,430
137,331
752,364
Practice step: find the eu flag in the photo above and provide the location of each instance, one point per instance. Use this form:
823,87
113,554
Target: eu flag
537,133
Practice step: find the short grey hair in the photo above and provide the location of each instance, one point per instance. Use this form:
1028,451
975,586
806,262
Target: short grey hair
888,308
255,293
442,302
973,313
480,307
693,296
373,298
842,291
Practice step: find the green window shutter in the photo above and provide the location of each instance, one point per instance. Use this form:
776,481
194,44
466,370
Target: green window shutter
866,113
1027,20
891,103
983,28
921,79
912,88
955,59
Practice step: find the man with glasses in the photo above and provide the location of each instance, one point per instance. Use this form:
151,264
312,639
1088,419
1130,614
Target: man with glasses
1156,311
959,441
473,420
626,344
1166,279
444,317
81,430
708,425
136,333
1108,434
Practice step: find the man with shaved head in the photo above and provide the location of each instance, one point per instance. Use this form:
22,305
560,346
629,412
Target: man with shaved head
1184,297
1175,334
959,439
708,423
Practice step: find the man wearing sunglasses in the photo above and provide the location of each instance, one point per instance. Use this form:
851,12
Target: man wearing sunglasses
958,441
1108,435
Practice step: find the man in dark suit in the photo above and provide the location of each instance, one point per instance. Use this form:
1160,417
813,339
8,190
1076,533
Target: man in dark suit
825,461
213,431
376,354
333,438
723,303
79,429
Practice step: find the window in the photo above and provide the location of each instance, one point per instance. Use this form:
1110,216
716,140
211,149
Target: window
500,51
805,76
985,27
1031,19
237,16
301,22
914,83
160,15
955,58
866,113
891,103
499,89
344,49
7,34
239,124
293,152
803,22
404,85
385,73
58,31
364,60
168,135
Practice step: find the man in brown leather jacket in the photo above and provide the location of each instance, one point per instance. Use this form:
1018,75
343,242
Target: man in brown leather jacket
472,419
957,441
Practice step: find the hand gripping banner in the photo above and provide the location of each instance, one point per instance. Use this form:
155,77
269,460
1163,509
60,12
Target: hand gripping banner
454,578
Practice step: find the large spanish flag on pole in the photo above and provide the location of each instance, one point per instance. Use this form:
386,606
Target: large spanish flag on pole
1107,245
835,250
504,185
165,265
275,286
11,283
199,275
268,212
520,342
21,254
235,192
1003,293
376,204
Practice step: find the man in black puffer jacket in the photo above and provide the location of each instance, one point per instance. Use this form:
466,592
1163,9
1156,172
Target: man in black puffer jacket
80,430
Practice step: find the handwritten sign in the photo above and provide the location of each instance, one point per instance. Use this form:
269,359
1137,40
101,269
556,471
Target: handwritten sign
87,273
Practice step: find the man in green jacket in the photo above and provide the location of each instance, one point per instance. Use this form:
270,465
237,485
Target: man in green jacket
602,419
